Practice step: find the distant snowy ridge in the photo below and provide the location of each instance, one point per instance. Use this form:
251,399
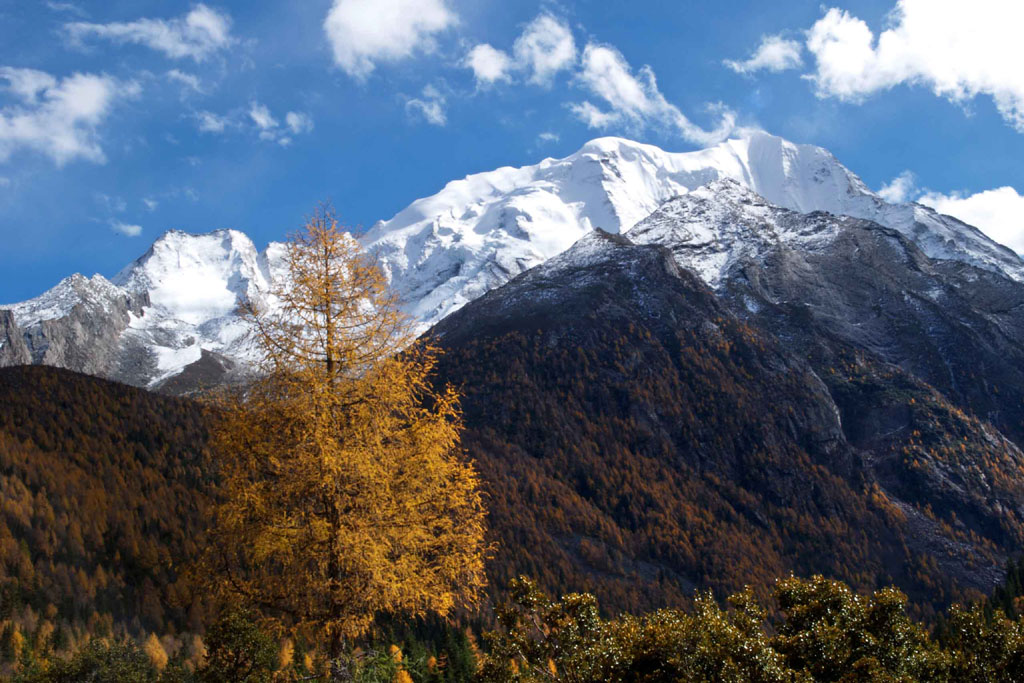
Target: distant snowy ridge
175,306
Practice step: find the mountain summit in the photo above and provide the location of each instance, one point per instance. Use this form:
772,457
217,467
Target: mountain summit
477,233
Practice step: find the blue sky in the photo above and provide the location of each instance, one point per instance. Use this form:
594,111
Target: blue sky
122,119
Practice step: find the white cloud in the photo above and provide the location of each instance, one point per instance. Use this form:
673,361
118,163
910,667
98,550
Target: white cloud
190,81
261,116
635,101
68,7
900,189
197,34
431,106
958,49
126,229
58,118
548,137
364,32
151,204
775,53
212,123
999,213
298,122
545,47
542,50
489,65
270,129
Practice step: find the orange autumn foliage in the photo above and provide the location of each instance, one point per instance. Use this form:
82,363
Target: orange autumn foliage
344,490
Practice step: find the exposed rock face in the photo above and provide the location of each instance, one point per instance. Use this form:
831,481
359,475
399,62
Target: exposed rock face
167,313
13,350
79,324
833,285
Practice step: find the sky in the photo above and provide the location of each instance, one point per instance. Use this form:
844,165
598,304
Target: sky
122,119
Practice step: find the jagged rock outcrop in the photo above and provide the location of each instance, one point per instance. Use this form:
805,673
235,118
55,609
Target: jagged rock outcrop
78,325
13,350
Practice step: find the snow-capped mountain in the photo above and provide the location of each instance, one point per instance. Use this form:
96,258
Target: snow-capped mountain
479,232
174,307
159,315
194,284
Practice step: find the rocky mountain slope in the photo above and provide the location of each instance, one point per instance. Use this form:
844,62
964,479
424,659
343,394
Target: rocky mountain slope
835,286
167,320
639,439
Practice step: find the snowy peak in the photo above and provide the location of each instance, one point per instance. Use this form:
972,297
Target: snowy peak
195,278
724,223
800,177
803,178
95,293
479,232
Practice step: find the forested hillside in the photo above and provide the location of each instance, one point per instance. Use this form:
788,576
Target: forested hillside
101,490
638,441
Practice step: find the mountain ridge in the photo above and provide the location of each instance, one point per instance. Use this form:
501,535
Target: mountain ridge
446,250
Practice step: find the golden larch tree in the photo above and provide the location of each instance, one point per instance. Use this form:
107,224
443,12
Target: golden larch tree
344,493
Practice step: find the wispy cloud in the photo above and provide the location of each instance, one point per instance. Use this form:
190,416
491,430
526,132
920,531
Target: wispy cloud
430,105
625,99
775,53
67,7
190,81
262,117
634,100
900,189
208,122
58,117
196,35
126,229
544,48
297,122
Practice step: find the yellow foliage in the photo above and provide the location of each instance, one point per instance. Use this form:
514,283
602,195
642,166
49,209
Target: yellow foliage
396,653
196,652
286,654
154,649
402,676
17,643
344,492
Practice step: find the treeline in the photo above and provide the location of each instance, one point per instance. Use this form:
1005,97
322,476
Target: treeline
811,630
807,631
